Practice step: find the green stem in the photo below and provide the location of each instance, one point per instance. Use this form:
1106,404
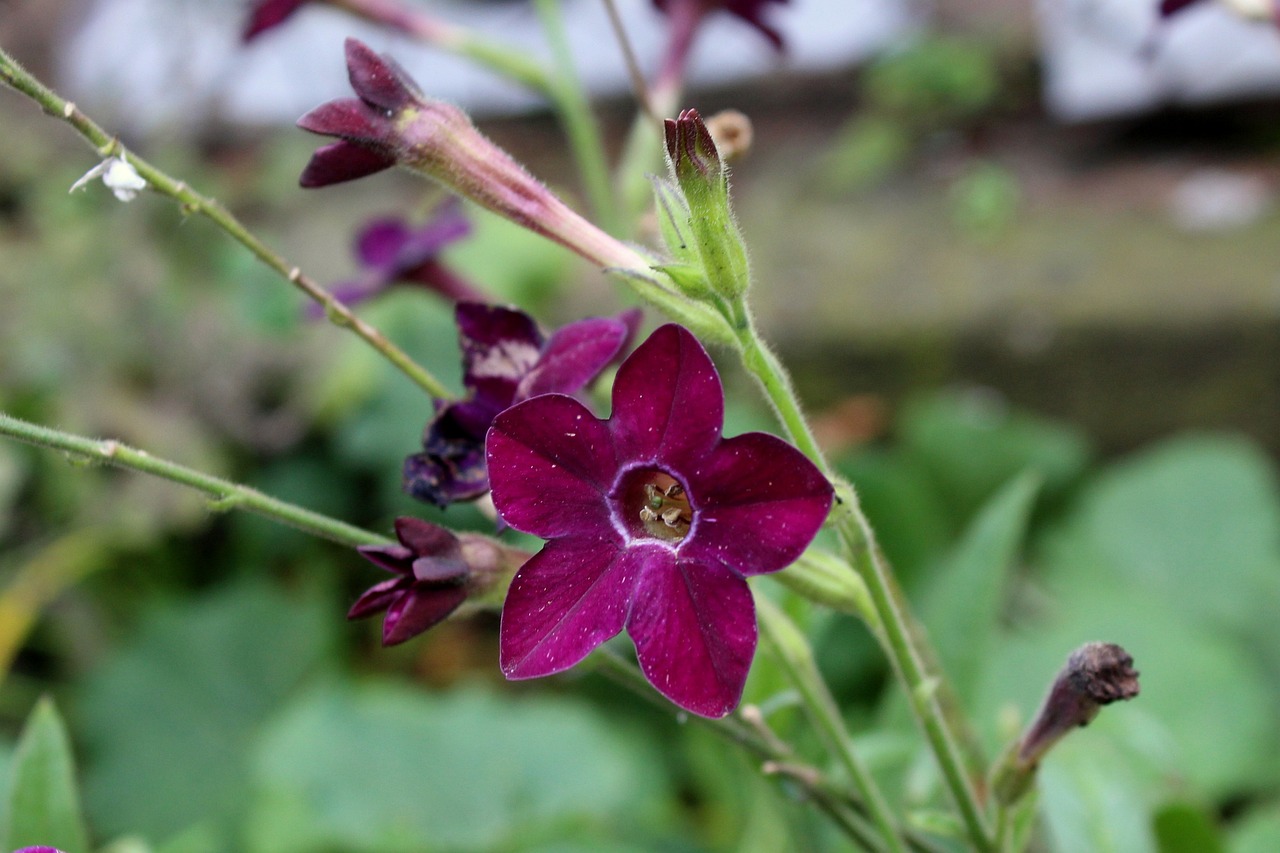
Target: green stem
579,121
847,813
864,556
793,653
224,493
192,202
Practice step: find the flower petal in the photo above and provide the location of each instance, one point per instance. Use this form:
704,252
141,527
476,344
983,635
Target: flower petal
425,539
499,346
573,356
448,224
419,609
694,626
266,14
393,558
569,598
349,118
342,161
551,463
379,80
668,404
376,598
760,502
380,242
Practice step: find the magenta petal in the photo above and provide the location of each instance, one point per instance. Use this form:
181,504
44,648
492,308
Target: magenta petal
426,539
342,161
551,463
499,346
349,118
419,609
267,14
379,80
376,598
380,242
1172,7
573,356
694,626
568,599
760,503
668,405
393,558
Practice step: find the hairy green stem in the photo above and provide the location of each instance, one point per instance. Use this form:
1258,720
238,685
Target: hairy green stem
794,654
570,100
192,202
898,639
225,494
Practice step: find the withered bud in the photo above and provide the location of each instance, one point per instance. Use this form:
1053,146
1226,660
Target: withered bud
692,148
732,132
1095,674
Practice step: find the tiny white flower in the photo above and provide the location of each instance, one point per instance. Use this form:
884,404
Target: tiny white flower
121,178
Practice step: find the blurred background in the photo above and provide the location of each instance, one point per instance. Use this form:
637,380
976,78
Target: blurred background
1022,261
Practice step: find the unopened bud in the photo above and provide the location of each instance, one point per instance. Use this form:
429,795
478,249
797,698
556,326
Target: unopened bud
1096,674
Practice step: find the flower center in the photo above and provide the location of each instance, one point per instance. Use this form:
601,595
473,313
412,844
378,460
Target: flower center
654,504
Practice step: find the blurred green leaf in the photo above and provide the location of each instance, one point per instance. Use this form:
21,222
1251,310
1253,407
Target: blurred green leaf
44,803
1257,832
961,606
173,713
382,768
1184,828
972,443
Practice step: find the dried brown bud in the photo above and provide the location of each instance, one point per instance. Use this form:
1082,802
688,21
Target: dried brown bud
1096,674
732,132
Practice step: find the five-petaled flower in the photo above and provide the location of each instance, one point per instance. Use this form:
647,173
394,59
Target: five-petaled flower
394,252
505,360
653,520
436,571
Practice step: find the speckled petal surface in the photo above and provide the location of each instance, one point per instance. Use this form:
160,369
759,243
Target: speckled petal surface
760,503
694,627
569,598
550,464
667,400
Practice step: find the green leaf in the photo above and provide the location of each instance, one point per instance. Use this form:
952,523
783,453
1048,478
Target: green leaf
973,443
961,606
1184,828
173,714
383,768
44,804
1257,832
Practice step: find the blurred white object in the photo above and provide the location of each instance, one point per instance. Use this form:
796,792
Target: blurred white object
152,63
118,175
1105,58
1219,200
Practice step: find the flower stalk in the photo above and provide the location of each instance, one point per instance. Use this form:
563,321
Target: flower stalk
191,202
223,494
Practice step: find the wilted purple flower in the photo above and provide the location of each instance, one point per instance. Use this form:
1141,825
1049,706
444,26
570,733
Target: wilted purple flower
392,252
653,522
505,360
267,14
436,572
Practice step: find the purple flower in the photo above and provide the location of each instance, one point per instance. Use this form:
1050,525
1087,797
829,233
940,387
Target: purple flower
38,850
393,252
653,521
505,360
436,572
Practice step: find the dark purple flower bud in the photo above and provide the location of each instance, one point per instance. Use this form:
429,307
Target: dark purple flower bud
653,521
435,572
393,252
692,150
1172,7
505,359
1096,674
